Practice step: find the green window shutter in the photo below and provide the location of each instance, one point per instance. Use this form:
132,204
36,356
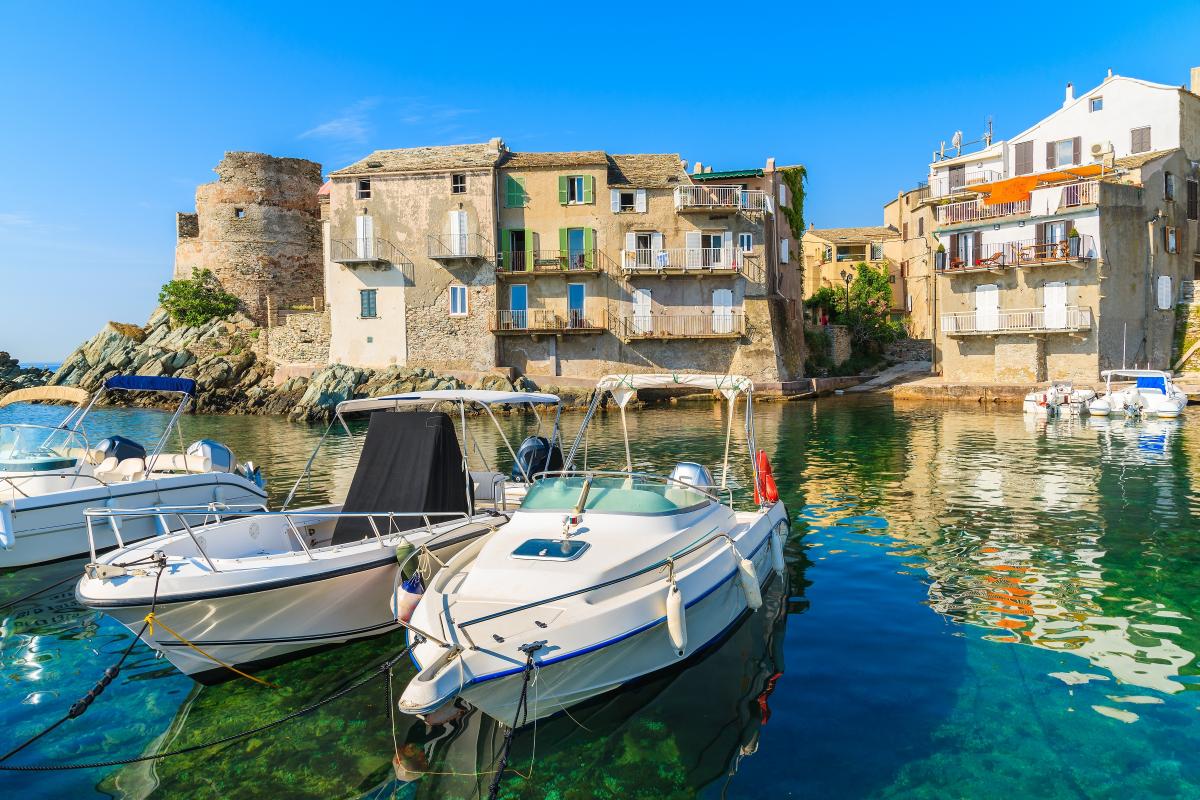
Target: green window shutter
522,195
589,189
589,245
564,257
514,192
530,249
505,245
562,190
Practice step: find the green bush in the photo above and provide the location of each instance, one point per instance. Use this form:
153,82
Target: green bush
196,300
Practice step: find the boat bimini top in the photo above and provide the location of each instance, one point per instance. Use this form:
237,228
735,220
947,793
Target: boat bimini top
1151,379
464,399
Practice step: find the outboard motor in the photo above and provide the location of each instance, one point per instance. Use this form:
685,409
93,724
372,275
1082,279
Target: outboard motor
220,456
252,473
536,454
120,448
693,474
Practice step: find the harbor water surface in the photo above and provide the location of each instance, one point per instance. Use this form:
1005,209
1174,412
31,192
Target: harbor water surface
980,605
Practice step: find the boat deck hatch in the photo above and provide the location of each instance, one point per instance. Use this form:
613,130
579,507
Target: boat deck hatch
552,549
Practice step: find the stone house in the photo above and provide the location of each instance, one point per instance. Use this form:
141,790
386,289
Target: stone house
912,253
556,264
831,255
1065,249
257,229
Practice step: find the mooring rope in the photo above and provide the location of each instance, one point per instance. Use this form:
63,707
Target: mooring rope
522,708
384,667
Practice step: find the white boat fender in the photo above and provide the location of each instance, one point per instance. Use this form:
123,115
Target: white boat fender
7,535
676,619
777,560
749,580
408,595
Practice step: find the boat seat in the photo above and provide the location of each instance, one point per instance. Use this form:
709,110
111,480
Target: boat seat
113,471
85,455
489,486
178,462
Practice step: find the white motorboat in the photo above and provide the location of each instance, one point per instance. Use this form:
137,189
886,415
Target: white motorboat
1153,393
269,586
1059,398
50,474
599,578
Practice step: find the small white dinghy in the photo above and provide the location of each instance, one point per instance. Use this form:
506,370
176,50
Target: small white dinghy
267,587
50,474
1153,393
599,578
1059,399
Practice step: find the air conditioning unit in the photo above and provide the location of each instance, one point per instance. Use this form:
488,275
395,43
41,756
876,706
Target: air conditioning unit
1101,149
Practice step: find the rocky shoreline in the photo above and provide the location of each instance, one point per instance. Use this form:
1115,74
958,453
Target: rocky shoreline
227,359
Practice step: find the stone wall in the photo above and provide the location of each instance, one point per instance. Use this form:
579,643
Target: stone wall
257,228
302,338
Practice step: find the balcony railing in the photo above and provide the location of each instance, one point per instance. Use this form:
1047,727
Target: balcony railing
975,210
466,246
1029,253
1018,320
941,186
544,320
703,325
1080,194
533,261
699,259
375,251
700,197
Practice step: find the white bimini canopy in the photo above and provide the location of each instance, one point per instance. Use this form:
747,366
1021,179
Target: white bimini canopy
1133,373
483,397
623,387
62,394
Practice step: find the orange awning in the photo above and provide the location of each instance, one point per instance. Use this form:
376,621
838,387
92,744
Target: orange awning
1011,190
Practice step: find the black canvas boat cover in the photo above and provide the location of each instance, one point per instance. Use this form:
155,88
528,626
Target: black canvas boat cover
410,462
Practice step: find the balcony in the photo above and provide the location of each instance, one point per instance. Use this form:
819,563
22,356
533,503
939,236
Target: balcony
1084,193
946,186
375,252
703,325
1076,251
976,210
522,263
459,247
684,260
543,320
1063,319
1061,198
718,199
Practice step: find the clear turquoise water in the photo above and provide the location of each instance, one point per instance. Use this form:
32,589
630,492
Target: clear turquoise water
978,606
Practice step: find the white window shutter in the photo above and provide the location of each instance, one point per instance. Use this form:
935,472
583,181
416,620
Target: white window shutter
783,198
614,198
691,239
784,251
639,201
656,241
631,241
1164,293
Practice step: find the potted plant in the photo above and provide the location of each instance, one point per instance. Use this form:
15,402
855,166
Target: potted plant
1073,240
939,258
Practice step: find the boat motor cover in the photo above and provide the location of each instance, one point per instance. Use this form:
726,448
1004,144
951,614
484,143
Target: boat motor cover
410,462
536,454
120,448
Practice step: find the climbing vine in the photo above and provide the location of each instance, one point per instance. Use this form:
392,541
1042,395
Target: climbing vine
794,179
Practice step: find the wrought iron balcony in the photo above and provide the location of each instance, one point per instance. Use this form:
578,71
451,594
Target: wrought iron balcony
544,320
994,257
526,262
459,247
376,252
1061,319
729,324
684,259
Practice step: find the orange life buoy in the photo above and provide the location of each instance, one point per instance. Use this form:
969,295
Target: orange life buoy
769,491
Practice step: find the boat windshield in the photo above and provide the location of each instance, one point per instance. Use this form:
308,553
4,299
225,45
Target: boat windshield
34,447
631,494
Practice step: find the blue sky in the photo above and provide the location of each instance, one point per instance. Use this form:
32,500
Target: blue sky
112,113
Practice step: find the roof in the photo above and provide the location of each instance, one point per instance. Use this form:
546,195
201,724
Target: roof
646,170
1142,159
324,190
424,159
578,158
729,173
483,397
870,233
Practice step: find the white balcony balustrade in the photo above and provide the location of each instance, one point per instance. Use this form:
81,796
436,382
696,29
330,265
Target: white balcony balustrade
1052,319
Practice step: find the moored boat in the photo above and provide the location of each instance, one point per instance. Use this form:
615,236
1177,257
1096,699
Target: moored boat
1059,398
600,577
1153,393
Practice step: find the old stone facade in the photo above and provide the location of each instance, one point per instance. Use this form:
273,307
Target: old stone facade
299,338
257,228
556,264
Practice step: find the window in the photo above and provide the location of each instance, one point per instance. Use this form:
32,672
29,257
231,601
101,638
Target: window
1171,240
576,302
904,231
458,300
783,194
784,255
1139,140
366,303
827,253
1165,298
625,201
363,189
514,192
876,251
576,189
458,183
239,213
746,242
1168,186
920,226
1193,199
1023,156
1096,104
1062,153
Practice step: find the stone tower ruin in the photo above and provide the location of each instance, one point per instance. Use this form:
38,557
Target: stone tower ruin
258,229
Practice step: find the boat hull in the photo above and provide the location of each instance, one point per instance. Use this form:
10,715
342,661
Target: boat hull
49,527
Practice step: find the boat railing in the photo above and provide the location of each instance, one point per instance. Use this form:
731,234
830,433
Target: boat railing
665,563
213,513
709,492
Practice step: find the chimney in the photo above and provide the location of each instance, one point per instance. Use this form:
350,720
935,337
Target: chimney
496,145
708,168
1070,96
770,164
697,168
1195,80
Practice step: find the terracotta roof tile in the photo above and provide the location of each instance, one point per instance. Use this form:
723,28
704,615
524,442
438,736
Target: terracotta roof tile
1141,159
646,170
